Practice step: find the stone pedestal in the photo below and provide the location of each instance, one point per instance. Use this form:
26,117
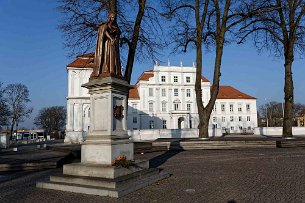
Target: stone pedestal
107,140
107,137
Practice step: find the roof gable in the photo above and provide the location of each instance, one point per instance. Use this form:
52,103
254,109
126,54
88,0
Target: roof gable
83,61
133,93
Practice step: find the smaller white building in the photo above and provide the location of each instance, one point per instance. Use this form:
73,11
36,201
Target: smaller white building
162,98
78,99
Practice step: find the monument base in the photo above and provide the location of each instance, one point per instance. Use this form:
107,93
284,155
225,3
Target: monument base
107,143
104,180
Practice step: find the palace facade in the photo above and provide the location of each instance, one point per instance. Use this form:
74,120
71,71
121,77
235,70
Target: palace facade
162,98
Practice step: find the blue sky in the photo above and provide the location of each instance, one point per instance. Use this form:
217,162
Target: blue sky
32,53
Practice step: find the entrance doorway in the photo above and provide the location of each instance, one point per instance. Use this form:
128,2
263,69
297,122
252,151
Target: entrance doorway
180,123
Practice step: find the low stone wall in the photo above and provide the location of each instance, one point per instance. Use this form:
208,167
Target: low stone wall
153,134
277,131
4,140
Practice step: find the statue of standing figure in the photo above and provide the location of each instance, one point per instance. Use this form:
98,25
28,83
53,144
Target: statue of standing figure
107,54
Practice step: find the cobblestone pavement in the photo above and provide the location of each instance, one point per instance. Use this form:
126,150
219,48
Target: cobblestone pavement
249,175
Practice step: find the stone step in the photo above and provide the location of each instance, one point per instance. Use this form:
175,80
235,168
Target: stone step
102,191
105,182
103,171
290,143
28,166
187,145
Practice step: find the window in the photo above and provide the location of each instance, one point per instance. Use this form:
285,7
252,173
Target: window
188,92
150,93
135,119
248,118
151,124
188,79
191,123
231,118
223,119
134,108
223,107
188,107
163,78
232,127
150,107
163,92
175,78
231,107
248,107
176,92
163,107
239,118
214,109
164,124
176,106
214,119
240,127
239,108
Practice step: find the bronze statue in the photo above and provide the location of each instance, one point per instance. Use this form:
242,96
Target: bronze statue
107,55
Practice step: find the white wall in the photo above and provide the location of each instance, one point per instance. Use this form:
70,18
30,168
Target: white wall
4,140
277,131
148,135
78,105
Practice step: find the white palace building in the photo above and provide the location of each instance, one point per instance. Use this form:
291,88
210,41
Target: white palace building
162,98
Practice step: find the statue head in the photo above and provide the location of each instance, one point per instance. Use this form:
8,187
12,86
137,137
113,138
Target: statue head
111,17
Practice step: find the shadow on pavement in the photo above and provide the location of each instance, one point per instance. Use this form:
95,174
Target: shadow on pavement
174,149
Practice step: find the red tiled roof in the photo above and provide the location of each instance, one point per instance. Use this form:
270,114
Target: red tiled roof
203,79
83,61
146,75
133,93
87,55
228,92
150,73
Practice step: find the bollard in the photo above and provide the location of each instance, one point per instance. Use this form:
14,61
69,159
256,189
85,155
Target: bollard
15,149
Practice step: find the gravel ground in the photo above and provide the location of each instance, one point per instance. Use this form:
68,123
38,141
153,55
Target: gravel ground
249,175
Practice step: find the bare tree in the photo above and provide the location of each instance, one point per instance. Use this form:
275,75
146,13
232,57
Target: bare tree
17,98
141,34
298,107
273,111
205,23
4,111
281,31
51,118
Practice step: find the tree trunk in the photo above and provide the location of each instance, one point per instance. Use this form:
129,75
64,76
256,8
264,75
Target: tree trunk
113,6
206,112
134,41
12,129
204,125
289,99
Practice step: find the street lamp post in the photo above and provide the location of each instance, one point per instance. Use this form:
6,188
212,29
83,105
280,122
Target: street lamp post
266,117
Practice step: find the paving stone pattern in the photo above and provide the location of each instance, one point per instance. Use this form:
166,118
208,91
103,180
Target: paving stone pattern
249,175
